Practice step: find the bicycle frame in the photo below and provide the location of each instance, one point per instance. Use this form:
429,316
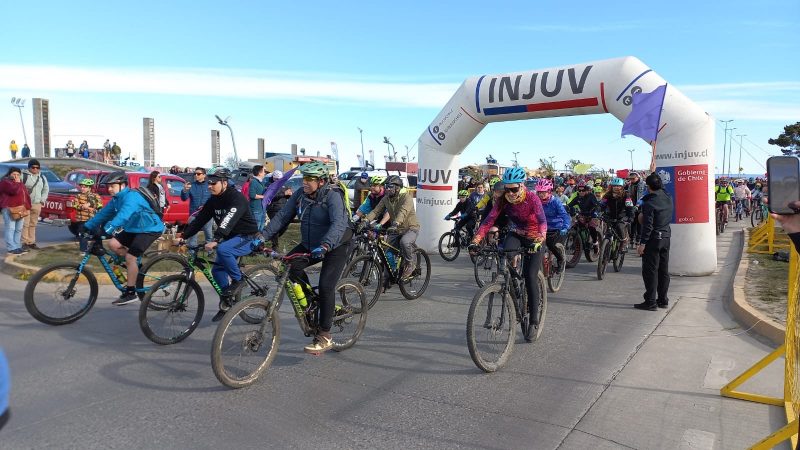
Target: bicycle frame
285,285
105,261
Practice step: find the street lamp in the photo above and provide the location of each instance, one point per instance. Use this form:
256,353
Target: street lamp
741,136
725,142
363,161
631,150
392,154
225,123
20,103
730,152
516,162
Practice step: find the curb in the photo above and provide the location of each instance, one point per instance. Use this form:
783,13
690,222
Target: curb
750,318
15,269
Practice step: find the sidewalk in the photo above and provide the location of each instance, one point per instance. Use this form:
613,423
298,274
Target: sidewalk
667,395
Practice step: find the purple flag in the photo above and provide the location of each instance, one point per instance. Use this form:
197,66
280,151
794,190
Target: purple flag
274,186
645,114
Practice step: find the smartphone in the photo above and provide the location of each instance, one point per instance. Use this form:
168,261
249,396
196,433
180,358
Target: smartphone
783,181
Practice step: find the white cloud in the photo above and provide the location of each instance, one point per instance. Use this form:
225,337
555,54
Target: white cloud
622,26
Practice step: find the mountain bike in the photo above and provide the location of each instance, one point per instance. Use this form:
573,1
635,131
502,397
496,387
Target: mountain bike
451,242
382,266
241,350
722,219
173,307
579,238
611,248
552,272
740,209
487,262
498,307
760,213
63,292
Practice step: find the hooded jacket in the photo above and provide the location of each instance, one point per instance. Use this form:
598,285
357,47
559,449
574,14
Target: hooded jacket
127,210
197,195
230,211
323,219
401,211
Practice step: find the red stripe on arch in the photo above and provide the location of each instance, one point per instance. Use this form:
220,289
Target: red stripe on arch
564,104
433,187
603,95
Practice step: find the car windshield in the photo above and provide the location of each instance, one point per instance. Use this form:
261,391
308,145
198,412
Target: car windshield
50,176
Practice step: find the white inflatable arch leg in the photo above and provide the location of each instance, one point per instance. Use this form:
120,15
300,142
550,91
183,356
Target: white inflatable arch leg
684,153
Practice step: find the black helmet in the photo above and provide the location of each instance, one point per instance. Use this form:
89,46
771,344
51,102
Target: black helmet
115,177
395,180
220,174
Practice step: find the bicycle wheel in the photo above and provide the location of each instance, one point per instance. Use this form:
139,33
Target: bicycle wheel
757,216
242,351
176,321
605,255
449,246
572,253
536,325
369,273
260,280
556,276
58,294
412,288
156,268
486,268
590,251
350,314
491,328
620,257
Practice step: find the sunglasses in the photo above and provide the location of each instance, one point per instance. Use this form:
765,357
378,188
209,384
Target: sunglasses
33,167
513,190
212,183
310,178
199,173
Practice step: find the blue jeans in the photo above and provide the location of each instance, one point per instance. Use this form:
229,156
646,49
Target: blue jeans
258,215
13,231
225,266
192,241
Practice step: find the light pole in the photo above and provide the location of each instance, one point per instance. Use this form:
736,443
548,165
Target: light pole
20,103
631,150
363,161
730,152
516,162
392,154
741,136
225,123
725,142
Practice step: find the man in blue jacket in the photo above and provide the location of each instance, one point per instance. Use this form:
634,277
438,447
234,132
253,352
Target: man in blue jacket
133,224
197,193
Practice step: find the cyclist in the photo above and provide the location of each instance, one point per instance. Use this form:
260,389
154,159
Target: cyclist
468,212
524,209
399,203
587,210
86,204
236,230
742,194
617,205
487,198
376,193
558,221
324,233
723,193
133,225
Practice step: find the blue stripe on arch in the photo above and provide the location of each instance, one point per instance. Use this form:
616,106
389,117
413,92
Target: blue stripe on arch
505,110
631,83
433,137
478,94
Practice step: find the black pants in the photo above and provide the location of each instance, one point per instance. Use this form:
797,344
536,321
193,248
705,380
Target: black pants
553,238
531,265
332,265
655,270
469,222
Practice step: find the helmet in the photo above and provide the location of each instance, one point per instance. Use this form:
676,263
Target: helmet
86,182
493,180
751,179
221,174
617,182
394,180
115,177
463,193
589,184
514,175
364,175
581,184
376,180
277,174
634,174
315,169
499,186
723,180
544,185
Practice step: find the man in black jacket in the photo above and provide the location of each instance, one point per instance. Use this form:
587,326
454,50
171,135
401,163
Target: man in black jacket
654,246
236,230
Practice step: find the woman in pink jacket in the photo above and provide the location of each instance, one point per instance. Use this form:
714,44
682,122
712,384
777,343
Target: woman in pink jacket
13,193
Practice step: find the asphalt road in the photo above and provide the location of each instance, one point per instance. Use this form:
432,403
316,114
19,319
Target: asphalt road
408,383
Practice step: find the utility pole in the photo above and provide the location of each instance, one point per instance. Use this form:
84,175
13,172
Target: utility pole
725,142
631,150
730,152
516,162
363,161
225,123
19,103
741,137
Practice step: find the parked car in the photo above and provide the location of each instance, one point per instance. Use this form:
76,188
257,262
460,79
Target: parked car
55,182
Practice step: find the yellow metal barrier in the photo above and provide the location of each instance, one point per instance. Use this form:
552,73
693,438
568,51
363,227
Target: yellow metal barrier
789,349
765,239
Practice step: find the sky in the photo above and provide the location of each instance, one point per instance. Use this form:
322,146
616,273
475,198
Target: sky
312,73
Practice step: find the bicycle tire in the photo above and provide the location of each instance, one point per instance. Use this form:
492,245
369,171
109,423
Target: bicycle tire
534,331
248,344
482,310
84,306
406,286
554,281
148,276
590,252
486,264
605,254
574,247
447,239
264,277
757,216
178,289
348,311
620,259
370,274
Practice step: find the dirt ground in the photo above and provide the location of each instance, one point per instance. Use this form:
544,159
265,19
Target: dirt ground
767,285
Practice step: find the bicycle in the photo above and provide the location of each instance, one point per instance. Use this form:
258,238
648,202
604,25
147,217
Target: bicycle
552,272
760,213
722,219
73,288
487,262
579,238
495,310
385,260
168,305
611,249
241,351
451,242
740,209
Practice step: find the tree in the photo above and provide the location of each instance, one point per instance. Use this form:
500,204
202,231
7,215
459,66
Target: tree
572,163
789,140
547,166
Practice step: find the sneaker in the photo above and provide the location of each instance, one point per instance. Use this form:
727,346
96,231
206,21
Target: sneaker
218,316
228,291
408,271
125,298
646,306
663,304
18,251
318,345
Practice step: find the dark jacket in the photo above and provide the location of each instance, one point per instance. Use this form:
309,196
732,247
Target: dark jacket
617,207
588,204
657,212
230,212
323,219
197,195
278,202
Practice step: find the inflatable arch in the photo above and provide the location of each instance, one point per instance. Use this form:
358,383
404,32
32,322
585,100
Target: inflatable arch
684,153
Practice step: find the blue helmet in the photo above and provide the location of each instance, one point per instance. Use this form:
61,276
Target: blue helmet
617,182
514,175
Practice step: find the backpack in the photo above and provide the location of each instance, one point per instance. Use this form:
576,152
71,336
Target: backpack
152,200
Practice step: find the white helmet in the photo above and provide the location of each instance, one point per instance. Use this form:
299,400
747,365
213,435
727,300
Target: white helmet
277,175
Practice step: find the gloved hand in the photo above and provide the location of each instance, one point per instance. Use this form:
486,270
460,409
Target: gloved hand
377,226
318,253
562,232
356,218
392,229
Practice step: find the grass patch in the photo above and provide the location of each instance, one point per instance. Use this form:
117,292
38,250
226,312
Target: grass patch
767,286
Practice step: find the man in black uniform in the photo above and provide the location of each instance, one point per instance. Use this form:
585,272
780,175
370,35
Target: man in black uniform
654,246
236,230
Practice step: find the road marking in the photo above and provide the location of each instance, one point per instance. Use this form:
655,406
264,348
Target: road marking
697,439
